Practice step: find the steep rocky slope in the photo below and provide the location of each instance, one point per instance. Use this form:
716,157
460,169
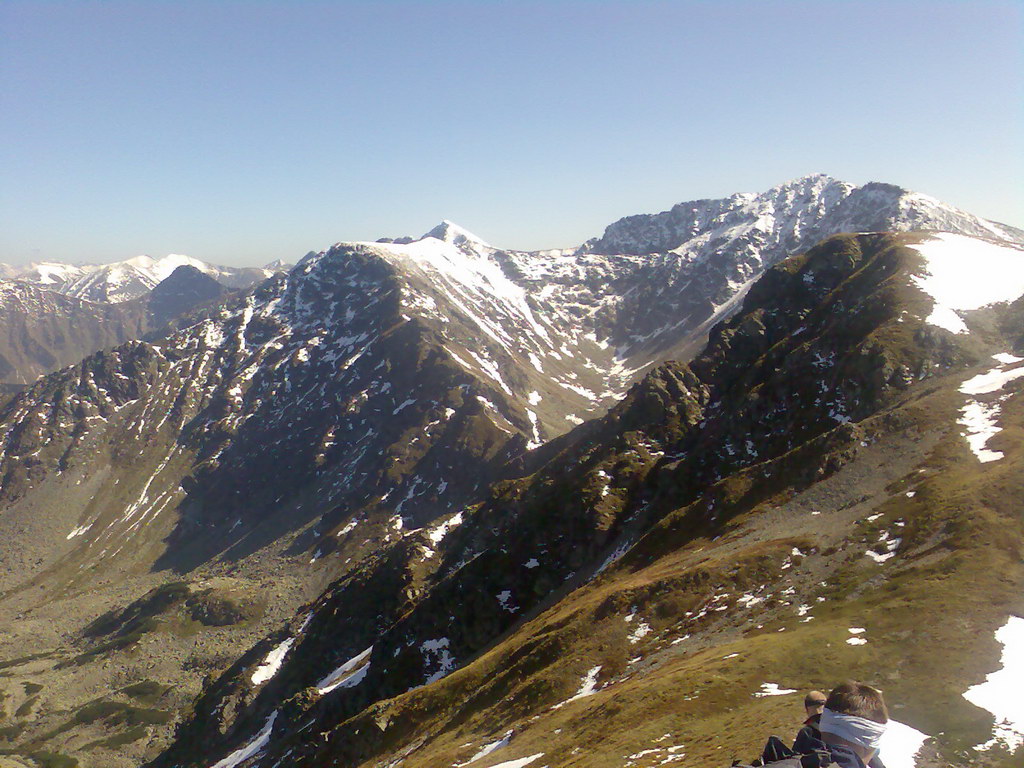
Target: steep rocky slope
339,459
304,425
793,507
41,330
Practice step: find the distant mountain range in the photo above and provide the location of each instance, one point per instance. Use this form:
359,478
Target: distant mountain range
42,330
431,502
126,280
54,314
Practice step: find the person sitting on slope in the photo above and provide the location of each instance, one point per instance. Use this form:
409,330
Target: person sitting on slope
809,737
852,724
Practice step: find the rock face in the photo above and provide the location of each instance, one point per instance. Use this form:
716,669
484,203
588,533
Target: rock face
347,500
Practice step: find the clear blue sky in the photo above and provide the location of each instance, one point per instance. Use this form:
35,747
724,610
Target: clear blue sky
241,132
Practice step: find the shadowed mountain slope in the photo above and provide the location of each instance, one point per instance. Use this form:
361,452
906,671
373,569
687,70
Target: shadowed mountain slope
184,289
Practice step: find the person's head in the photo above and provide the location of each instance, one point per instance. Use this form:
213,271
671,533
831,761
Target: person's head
814,702
855,716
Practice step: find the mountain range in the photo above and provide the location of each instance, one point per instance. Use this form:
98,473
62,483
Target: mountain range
121,281
55,314
431,502
42,330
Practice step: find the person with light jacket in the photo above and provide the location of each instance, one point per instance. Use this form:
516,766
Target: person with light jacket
852,724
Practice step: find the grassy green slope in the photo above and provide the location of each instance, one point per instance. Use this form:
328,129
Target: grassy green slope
929,615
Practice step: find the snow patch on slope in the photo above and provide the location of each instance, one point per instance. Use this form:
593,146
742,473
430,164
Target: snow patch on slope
978,418
272,662
520,762
900,745
588,687
963,273
492,747
773,689
254,747
348,675
1000,693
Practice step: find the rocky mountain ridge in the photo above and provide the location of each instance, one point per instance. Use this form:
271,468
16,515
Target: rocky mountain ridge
353,437
710,251
816,369
795,213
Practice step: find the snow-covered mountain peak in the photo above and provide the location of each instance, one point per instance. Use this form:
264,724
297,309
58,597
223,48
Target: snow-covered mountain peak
815,187
915,207
446,258
434,268
810,181
790,216
128,279
451,232
49,273
161,268
142,261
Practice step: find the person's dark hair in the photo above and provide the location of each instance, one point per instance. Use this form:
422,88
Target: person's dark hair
857,699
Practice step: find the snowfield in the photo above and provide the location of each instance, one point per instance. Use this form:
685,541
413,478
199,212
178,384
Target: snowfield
900,745
1000,693
964,273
